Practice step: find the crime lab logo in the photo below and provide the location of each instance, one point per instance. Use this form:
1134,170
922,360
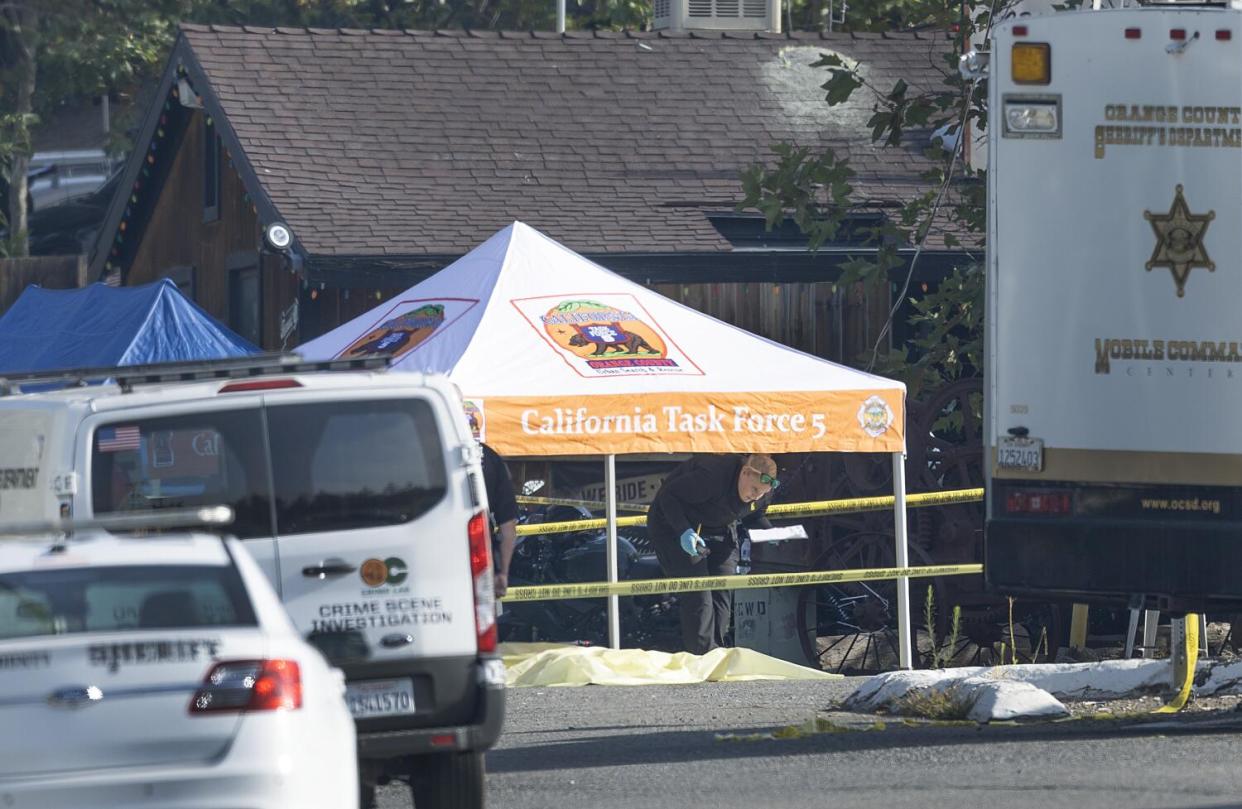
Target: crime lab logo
605,335
1179,240
875,416
476,419
377,573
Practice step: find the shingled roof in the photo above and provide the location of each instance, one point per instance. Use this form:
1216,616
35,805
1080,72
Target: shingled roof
417,143
400,144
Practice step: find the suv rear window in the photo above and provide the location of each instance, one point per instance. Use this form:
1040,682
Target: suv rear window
342,465
110,599
197,459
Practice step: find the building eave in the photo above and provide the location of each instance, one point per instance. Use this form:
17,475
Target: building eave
743,266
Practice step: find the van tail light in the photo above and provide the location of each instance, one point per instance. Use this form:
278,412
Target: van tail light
1039,501
249,685
484,585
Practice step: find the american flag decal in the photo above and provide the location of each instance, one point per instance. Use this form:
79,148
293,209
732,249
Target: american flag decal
118,439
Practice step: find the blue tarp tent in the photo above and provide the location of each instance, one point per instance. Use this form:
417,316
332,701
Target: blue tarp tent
101,326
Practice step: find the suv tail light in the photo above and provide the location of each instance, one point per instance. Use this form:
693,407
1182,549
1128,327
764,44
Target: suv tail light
250,685
484,585
1039,501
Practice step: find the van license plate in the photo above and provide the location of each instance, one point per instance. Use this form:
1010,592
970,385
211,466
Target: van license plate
371,698
1023,454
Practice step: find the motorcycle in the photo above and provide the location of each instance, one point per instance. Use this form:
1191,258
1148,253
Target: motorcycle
647,622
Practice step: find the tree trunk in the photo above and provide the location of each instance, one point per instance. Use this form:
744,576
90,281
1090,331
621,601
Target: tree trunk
24,23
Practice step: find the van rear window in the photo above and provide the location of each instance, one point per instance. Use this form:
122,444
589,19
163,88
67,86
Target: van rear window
342,465
334,465
198,459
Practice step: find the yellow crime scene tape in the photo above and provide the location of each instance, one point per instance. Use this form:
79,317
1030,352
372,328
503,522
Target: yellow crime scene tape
643,587
818,508
530,500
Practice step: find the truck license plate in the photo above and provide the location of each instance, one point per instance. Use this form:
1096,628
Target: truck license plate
370,698
1023,454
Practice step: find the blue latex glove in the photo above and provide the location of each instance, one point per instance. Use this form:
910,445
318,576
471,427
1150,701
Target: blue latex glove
693,544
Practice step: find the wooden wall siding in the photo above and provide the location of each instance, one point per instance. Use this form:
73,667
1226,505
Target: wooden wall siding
51,272
325,309
176,235
838,324
280,293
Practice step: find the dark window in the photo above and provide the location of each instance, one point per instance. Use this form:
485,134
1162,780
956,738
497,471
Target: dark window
108,599
213,458
746,231
354,464
245,295
211,172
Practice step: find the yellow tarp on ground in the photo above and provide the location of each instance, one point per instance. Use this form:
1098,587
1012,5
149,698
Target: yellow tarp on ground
546,664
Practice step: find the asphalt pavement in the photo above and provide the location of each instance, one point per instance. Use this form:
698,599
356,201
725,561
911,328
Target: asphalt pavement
661,746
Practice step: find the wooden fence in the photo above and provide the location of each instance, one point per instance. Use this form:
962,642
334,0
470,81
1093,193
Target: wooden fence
836,322
52,272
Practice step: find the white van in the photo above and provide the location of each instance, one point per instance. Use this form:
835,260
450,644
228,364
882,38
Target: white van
359,494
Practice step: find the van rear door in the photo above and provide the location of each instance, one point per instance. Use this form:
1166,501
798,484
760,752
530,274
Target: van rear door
172,457
371,520
25,485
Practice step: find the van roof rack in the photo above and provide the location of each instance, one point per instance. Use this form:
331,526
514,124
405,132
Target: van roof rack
128,376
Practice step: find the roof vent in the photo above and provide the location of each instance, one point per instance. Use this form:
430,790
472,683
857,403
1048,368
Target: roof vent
718,15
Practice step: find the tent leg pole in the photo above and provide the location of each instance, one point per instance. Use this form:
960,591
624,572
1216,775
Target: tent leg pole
904,649
610,497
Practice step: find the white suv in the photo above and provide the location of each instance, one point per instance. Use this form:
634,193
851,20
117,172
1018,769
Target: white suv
160,670
359,494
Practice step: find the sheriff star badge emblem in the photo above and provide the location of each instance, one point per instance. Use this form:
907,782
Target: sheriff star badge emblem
1179,240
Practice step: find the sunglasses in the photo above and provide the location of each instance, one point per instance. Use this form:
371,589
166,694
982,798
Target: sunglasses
765,478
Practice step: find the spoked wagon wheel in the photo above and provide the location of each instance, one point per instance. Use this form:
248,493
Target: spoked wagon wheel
986,637
945,438
851,627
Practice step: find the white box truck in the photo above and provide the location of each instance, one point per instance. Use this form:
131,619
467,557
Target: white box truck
1114,284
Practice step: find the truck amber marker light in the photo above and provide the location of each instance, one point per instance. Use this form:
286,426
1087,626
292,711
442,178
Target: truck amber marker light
1031,63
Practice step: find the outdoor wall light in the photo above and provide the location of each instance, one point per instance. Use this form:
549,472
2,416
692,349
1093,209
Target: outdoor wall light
278,235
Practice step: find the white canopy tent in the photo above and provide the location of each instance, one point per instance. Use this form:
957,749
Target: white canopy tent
556,355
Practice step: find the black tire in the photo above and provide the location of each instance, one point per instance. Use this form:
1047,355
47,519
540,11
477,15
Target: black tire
448,781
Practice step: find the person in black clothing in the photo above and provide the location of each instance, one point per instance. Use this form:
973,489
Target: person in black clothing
693,524
502,502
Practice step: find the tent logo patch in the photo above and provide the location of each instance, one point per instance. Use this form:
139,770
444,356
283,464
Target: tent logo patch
398,335
604,335
875,416
406,325
476,418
